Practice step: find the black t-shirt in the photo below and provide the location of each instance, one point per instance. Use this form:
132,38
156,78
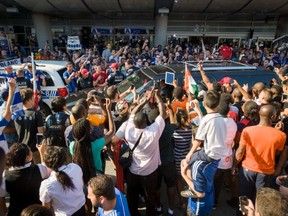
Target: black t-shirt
27,127
22,82
84,83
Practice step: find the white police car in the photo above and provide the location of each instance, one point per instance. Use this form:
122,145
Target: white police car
55,84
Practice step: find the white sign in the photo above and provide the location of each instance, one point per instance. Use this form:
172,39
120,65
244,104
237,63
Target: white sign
10,62
73,43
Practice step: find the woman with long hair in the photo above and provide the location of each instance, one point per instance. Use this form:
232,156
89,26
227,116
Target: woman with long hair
22,179
86,152
63,190
182,141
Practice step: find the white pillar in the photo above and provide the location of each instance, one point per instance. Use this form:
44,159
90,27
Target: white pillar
161,23
43,30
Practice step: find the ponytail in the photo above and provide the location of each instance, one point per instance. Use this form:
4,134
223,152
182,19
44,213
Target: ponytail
65,180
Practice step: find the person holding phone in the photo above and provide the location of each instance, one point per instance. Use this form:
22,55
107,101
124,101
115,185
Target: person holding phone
258,146
268,202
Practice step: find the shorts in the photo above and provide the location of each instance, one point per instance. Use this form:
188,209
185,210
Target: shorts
168,172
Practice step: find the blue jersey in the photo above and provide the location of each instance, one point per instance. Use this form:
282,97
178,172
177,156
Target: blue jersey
38,73
202,177
121,208
73,83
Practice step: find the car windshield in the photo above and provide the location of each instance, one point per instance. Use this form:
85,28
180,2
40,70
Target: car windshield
137,79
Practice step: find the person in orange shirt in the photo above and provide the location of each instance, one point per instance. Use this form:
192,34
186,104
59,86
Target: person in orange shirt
179,101
258,146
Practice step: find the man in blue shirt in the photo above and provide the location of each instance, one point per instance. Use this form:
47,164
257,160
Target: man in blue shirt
70,77
39,75
6,117
109,200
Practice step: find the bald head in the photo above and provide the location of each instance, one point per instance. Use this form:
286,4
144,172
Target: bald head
79,111
140,120
267,112
258,87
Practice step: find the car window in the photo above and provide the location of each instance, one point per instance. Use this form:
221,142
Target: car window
48,78
60,72
137,79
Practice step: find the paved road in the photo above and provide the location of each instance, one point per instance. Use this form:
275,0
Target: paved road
222,209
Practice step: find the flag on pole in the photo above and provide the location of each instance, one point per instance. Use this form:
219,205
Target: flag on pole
190,82
34,82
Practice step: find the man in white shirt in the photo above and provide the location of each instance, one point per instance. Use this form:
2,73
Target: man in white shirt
146,156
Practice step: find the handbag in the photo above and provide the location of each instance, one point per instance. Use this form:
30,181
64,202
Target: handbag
125,158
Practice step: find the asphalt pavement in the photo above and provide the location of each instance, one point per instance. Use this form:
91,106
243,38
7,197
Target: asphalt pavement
222,208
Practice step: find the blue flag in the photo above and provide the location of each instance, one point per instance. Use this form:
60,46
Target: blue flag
17,104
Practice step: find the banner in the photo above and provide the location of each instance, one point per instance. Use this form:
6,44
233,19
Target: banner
17,105
10,62
73,43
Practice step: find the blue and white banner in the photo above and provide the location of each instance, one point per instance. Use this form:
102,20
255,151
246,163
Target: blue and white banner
73,43
10,62
17,104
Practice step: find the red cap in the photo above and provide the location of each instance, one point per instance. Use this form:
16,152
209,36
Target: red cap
84,71
225,80
114,65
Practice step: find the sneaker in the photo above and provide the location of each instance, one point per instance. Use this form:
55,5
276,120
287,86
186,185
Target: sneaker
159,212
188,193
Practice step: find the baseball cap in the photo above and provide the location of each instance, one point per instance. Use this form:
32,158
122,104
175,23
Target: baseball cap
114,65
84,71
225,80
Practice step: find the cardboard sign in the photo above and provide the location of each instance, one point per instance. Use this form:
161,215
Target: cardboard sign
73,43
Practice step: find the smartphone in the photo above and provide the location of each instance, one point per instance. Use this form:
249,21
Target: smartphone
39,138
243,201
284,97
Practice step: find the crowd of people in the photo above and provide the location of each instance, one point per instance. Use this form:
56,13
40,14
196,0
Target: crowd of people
228,134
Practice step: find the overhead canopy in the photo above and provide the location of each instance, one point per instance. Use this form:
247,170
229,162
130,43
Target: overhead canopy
139,9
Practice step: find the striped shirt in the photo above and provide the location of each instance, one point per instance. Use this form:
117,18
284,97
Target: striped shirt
182,142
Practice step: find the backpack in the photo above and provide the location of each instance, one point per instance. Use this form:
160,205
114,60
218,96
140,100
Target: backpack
56,128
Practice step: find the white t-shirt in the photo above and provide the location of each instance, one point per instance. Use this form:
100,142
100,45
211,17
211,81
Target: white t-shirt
212,131
146,156
64,202
231,128
121,131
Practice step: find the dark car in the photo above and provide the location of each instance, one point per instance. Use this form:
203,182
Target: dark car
144,78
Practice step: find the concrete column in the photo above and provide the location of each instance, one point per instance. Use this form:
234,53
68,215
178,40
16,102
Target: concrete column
282,27
161,23
43,30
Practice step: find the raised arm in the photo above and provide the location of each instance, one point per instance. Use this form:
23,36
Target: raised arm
8,112
205,79
243,92
108,136
161,105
